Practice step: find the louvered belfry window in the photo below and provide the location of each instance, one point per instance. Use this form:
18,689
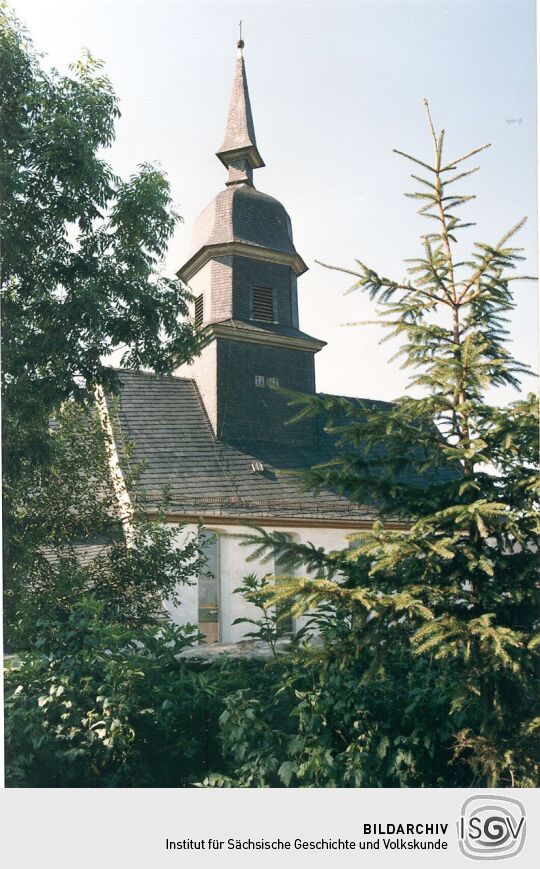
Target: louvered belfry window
199,310
262,307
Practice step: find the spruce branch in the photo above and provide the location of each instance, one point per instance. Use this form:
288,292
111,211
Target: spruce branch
454,163
490,258
414,160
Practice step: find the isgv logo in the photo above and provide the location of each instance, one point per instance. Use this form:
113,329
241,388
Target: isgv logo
491,827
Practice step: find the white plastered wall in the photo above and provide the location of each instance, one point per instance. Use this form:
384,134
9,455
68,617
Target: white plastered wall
233,566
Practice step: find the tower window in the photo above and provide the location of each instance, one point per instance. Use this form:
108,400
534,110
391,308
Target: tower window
199,310
259,380
272,381
262,304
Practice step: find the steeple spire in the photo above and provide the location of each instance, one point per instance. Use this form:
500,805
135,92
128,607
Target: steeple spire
239,152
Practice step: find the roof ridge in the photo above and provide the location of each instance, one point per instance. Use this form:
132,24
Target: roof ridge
151,374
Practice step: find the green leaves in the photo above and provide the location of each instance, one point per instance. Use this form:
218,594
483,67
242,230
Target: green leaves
82,277
286,771
82,249
99,705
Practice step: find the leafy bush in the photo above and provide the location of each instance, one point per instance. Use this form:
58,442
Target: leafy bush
97,704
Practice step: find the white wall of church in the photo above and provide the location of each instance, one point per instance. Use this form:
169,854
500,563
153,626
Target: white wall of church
233,566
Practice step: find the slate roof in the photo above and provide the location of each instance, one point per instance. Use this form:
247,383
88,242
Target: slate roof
243,214
166,422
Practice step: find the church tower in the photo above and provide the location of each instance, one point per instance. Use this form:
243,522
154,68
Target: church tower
242,270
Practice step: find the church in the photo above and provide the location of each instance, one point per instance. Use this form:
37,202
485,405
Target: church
213,438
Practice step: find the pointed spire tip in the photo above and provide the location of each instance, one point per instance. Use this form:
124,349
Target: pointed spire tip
239,141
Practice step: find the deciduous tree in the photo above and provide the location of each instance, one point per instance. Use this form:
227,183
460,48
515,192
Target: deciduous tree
82,276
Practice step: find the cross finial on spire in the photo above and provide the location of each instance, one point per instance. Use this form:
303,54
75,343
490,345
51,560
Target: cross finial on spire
240,43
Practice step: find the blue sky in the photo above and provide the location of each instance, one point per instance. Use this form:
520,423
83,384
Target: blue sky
333,89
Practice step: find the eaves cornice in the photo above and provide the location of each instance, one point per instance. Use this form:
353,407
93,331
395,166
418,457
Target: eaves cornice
235,332
211,251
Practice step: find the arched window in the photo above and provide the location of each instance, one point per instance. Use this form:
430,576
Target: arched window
208,588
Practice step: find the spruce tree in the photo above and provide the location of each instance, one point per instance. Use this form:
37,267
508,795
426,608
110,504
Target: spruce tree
440,617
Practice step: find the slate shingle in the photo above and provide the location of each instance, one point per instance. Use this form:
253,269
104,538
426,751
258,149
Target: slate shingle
245,215
165,420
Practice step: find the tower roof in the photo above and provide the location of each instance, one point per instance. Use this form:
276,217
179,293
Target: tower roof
240,138
240,219
243,220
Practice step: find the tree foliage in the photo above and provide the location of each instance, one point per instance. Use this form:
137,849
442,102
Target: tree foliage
82,248
68,540
82,276
99,704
